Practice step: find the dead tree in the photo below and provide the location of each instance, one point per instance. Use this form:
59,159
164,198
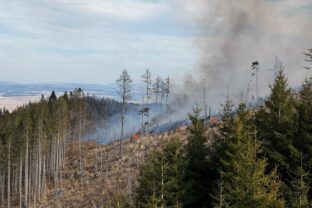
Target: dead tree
157,91
124,91
147,79
308,59
162,95
167,91
255,69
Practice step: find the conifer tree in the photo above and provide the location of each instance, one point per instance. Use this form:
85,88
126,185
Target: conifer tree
303,139
195,181
276,125
247,184
227,127
159,179
300,188
220,201
219,151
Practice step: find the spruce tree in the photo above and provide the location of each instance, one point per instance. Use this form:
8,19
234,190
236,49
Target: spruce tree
303,139
159,182
246,181
219,151
220,198
195,180
276,124
300,188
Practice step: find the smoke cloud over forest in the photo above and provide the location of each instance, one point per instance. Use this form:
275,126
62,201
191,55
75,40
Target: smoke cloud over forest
232,35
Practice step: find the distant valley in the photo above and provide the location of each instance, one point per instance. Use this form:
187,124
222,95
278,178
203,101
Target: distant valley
16,94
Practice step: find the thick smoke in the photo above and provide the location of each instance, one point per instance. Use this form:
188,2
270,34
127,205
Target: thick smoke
230,35
233,34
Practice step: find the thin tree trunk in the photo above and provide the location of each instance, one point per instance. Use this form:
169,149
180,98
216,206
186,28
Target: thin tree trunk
44,175
122,127
156,112
39,158
80,157
26,171
9,175
2,190
147,96
20,183
167,107
161,105
162,183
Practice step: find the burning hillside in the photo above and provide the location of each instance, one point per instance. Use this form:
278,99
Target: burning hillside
105,177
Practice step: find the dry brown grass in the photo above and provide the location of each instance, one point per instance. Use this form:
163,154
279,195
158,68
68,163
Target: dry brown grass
106,178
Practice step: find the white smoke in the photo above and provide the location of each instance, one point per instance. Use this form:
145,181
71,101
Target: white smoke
233,34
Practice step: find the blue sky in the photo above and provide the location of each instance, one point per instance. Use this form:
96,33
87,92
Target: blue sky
92,41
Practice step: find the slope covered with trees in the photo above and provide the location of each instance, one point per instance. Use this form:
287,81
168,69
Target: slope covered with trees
258,157
35,138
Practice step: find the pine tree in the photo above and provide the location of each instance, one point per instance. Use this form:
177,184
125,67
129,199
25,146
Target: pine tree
247,184
220,149
227,127
300,188
276,125
159,179
220,201
195,181
303,139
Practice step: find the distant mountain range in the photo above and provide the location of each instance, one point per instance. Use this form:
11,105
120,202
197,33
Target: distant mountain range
10,89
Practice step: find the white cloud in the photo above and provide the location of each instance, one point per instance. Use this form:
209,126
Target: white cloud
128,10
106,36
45,40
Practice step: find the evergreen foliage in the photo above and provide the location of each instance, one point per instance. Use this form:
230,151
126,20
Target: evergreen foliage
219,151
34,139
276,124
303,137
195,181
247,184
300,188
159,180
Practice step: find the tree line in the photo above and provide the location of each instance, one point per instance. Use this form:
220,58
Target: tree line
34,140
259,157
160,88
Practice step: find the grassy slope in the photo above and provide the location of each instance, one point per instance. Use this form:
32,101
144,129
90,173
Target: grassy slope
105,176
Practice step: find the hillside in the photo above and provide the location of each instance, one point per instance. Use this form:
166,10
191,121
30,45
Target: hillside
105,177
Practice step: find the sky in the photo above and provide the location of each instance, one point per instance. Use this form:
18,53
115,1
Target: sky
92,41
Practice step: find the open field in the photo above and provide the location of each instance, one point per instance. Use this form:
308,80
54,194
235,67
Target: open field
12,103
